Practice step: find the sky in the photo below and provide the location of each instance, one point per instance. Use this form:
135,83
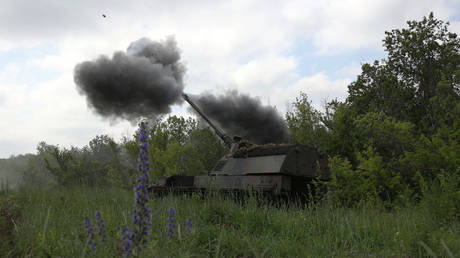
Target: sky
268,49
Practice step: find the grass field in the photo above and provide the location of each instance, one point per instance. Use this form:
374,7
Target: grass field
50,223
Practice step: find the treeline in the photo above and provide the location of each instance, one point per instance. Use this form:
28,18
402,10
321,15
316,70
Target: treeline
394,140
176,146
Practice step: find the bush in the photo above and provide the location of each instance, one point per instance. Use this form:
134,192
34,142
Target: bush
371,181
442,197
349,187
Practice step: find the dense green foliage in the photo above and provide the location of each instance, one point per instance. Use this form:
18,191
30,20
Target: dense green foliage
397,135
179,146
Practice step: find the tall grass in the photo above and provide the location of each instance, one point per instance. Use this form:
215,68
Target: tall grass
52,224
4,186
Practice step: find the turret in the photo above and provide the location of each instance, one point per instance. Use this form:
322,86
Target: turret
227,139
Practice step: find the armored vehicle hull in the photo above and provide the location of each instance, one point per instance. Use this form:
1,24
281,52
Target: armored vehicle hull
276,170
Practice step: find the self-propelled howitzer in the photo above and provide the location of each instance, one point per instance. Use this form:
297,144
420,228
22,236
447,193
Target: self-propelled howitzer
274,169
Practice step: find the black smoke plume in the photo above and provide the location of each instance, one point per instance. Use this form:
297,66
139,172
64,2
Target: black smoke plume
144,81
245,116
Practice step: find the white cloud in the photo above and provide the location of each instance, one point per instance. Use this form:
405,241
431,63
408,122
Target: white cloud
220,28
244,44
51,112
350,71
455,27
275,71
9,72
337,26
319,88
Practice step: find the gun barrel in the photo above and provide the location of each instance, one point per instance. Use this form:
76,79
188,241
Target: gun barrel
227,140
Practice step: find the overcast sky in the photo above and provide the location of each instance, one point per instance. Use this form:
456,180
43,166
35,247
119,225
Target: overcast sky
269,49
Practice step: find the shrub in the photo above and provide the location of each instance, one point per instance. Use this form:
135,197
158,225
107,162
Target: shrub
348,187
442,197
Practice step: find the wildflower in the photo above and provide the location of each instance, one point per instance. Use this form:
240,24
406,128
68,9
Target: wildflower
92,244
141,213
88,226
127,237
171,222
101,226
188,226
90,232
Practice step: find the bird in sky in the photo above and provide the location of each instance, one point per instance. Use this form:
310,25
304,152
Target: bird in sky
103,15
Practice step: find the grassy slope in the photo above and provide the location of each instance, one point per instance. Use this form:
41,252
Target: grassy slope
51,223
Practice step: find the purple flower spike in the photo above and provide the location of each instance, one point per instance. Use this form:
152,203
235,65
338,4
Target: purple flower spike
101,226
88,226
171,222
91,233
141,213
188,226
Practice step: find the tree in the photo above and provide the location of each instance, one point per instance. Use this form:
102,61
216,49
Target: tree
179,128
305,123
405,84
179,145
377,89
209,147
400,123
103,148
421,54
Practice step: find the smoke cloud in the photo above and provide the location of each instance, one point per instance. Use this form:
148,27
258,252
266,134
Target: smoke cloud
144,81
245,116
147,79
